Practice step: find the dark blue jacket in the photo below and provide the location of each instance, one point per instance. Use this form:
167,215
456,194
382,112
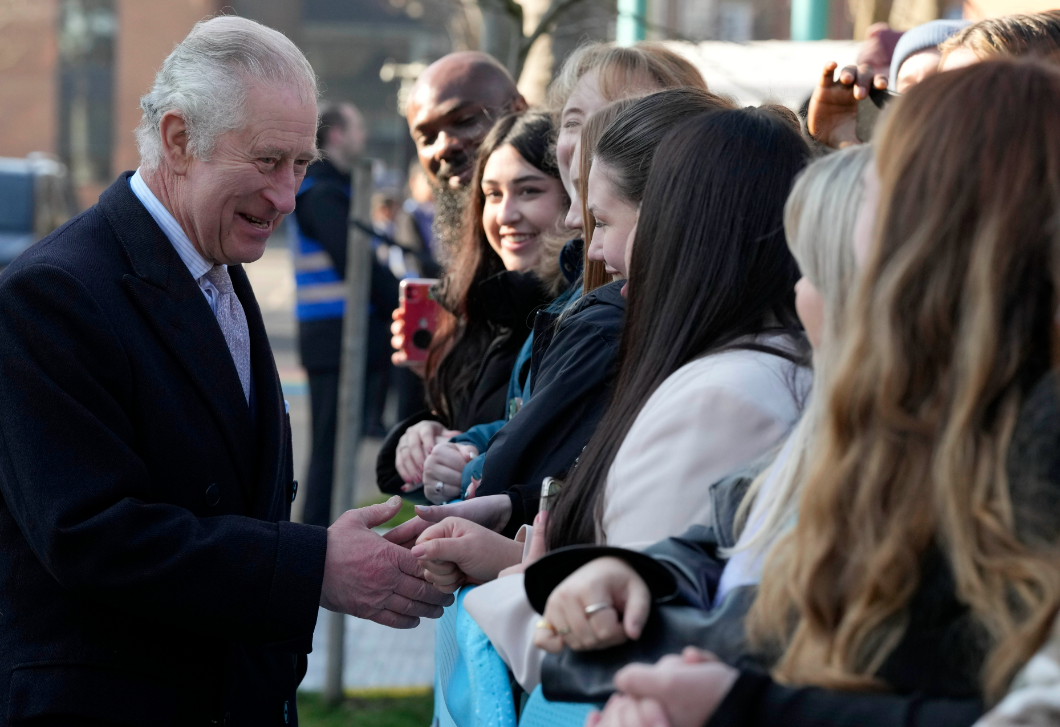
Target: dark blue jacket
148,571
572,368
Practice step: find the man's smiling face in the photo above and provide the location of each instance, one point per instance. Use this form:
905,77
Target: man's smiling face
233,202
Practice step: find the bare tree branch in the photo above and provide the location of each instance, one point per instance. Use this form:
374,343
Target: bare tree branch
555,9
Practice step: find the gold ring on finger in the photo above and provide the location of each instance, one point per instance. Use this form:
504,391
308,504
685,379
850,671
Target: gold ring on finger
544,624
595,607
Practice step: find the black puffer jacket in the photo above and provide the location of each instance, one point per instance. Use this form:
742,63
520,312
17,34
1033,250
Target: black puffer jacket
573,367
509,299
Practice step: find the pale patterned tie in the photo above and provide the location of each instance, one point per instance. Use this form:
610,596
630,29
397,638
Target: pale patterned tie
233,322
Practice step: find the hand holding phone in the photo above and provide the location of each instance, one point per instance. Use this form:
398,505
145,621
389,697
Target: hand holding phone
869,110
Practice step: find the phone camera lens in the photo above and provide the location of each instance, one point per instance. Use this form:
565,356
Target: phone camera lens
421,339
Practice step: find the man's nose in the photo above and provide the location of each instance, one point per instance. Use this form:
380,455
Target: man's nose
448,144
282,190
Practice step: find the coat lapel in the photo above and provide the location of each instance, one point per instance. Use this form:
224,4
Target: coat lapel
173,304
269,399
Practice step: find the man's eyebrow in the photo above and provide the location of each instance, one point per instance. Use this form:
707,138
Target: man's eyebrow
272,151
440,117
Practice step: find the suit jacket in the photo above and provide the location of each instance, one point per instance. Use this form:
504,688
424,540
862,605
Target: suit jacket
148,571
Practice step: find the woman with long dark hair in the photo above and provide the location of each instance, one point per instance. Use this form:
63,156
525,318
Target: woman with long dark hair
710,374
517,203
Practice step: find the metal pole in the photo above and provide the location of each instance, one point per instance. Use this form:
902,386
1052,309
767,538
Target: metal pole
351,394
809,19
630,26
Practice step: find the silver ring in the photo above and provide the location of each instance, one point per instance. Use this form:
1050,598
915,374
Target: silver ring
593,608
439,486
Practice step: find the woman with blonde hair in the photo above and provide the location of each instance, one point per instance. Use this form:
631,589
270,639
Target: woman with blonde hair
925,559
594,75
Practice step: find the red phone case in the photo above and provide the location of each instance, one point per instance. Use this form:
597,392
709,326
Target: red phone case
421,316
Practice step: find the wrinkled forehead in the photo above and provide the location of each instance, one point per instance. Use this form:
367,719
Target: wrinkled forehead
443,93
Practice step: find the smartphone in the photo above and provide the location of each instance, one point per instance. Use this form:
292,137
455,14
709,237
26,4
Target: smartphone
421,316
550,488
869,110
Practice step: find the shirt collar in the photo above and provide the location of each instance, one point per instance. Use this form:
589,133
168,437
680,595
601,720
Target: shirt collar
197,265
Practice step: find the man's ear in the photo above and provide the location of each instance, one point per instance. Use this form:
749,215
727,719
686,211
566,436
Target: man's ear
519,104
174,134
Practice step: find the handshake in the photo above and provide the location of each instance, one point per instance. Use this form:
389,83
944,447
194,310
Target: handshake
368,576
377,577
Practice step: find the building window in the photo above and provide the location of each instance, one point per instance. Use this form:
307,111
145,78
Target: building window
86,88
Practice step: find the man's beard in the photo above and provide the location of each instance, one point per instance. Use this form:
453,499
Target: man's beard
449,204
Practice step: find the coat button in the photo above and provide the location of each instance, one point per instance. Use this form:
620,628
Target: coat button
294,489
213,495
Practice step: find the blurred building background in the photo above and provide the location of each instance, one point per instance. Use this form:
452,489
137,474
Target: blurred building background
72,71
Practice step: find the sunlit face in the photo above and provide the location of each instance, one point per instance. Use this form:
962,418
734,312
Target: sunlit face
522,204
615,218
230,205
959,58
574,221
865,223
916,68
450,110
810,307
584,101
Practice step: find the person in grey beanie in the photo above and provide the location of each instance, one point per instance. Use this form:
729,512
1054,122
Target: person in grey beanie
916,56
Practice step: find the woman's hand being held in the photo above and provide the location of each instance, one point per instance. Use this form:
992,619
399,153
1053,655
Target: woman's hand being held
458,552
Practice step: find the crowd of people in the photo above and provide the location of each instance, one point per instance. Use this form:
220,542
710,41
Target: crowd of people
731,417
729,379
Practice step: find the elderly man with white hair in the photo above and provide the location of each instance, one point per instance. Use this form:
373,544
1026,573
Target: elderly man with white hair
149,574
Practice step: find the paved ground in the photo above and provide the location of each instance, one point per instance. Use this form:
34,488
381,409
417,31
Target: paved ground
376,656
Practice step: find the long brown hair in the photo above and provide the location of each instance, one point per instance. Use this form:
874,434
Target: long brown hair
645,127
464,332
951,326
710,264
594,272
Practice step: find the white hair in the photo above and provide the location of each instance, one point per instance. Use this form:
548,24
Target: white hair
205,80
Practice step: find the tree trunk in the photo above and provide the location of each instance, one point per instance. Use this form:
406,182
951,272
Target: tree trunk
536,72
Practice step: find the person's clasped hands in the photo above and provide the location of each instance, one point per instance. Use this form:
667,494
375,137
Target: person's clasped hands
678,691
415,445
443,471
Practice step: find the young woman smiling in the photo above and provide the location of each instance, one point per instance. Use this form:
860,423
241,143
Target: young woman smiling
489,293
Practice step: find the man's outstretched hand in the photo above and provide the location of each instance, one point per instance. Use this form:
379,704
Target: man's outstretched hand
369,577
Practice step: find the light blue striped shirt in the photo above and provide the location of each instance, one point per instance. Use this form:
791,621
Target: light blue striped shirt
197,265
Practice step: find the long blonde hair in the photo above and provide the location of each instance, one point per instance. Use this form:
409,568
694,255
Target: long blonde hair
951,326
819,225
